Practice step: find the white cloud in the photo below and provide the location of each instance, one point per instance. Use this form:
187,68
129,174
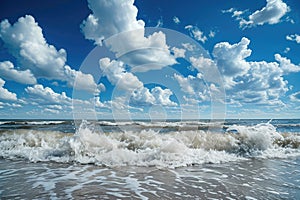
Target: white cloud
110,17
142,96
162,96
53,111
12,105
287,49
127,81
263,83
8,72
185,83
117,75
81,81
124,35
26,42
160,23
295,96
294,37
176,20
212,34
45,95
286,65
5,94
272,13
178,52
50,101
189,46
230,59
194,87
196,33
257,82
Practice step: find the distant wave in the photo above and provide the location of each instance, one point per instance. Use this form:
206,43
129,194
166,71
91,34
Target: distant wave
148,147
31,122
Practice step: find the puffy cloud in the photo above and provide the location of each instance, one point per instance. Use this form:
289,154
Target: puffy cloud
124,35
5,94
188,46
142,96
295,96
294,37
110,17
196,33
185,83
270,14
8,72
117,75
26,42
286,65
194,87
46,95
257,82
262,83
81,81
176,20
178,53
230,59
162,96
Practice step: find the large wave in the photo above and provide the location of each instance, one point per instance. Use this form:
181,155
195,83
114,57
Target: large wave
149,147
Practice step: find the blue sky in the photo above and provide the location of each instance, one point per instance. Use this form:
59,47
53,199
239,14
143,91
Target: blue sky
101,60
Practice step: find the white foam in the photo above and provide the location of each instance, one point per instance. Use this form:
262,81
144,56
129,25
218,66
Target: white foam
44,122
145,148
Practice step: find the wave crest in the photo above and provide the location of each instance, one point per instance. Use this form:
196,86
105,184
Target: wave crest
148,147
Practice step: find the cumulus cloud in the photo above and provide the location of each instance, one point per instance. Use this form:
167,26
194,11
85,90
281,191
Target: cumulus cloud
263,83
117,75
286,64
46,95
176,20
162,96
196,33
8,72
26,42
178,52
110,17
295,96
194,87
230,59
294,37
272,13
81,81
116,23
5,94
257,82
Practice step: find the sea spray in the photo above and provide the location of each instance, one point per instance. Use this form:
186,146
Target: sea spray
148,147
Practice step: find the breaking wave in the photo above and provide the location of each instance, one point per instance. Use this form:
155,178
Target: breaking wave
149,147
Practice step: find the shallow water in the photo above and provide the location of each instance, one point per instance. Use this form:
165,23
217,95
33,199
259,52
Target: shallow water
241,159
249,179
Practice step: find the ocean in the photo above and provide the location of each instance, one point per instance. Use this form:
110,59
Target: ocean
231,159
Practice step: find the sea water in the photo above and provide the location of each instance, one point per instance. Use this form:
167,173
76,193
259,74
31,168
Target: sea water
238,159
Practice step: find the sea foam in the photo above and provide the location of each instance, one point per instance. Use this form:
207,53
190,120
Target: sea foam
148,147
